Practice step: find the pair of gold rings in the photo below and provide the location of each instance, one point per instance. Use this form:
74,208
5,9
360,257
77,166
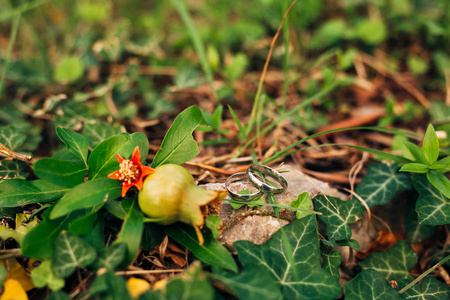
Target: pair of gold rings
257,176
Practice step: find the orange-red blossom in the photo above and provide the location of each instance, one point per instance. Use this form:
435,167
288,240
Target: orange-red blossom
132,172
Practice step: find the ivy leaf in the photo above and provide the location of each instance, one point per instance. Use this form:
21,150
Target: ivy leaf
440,182
109,286
132,228
337,214
430,145
12,137
303,202
211,252
349,243
331,263
18,192
43,276
370,284
394,263
103,160
86,195
71,251
178,145
99,131
381,183
75,142
429,289
12,169
432,206
61,172
416,231
111,257
308,280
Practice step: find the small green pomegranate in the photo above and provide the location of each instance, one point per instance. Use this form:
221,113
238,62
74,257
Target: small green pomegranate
171,192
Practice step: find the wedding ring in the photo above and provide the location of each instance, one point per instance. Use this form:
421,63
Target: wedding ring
241,176
265,187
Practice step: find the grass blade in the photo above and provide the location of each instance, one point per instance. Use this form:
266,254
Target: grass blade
12,39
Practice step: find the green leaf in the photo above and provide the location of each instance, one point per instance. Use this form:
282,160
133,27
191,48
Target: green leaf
178,145
12,137
308,280
75,143
43,276
153,236
18,192
337,214
12,169
132,228
38,243
71,251
96,236
430,145
394,263
303,202
370,285
416,231
258,202
444,161
381,183
372,32
59,295
211,252
432,207
60,172
236,68
416,152
86,195
139,139
3,274
212,222
349,243
69,69
111,257
440,182
187,77
84,223
429,289
103,160
99,131
110,286
331,263
415,168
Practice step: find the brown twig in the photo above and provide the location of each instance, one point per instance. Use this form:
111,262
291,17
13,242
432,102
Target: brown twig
9,154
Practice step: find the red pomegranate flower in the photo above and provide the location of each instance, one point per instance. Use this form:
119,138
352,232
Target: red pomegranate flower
132,172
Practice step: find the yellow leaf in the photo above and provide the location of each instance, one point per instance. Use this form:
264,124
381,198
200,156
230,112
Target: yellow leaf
17,272
13,291
136,287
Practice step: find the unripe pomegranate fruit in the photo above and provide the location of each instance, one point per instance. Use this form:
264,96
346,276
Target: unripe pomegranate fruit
171,192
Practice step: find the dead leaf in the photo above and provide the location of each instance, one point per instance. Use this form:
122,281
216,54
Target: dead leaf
137,286
13,290
385,240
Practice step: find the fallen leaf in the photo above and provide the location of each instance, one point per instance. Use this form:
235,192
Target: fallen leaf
17,272
13,291
385,240
137,286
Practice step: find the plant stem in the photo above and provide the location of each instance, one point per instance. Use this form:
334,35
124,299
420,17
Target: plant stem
6,14
440,263
286,57
12,39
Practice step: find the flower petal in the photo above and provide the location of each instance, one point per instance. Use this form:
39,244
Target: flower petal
136,158
115,175
146,171
119,158
125,188
139,183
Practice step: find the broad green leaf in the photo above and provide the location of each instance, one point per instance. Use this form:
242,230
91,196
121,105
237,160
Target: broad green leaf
71,251
439,181
192,286
111,257
69,69
370,285
337,214
432,207
18,192
371,31
103,160
247,285
96,236
303,202
43,276
132,228
109,286
430,145
211,252
59,295
394,263
308,280
12,169
429,289
444,161
331,263
140,140
153,236
349,243
99,131
415,168
416,231
10,211
38,243
212,222
75,142
60,172
381,183
86,195
415,152
12,137
178,145
84,223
